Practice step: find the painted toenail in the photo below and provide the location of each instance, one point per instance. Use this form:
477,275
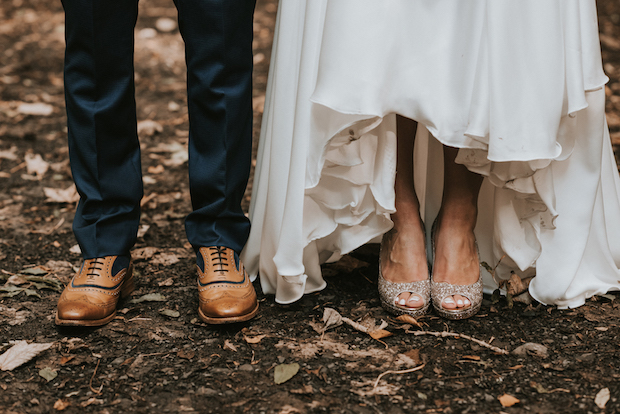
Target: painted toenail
402,301
449,300
459,302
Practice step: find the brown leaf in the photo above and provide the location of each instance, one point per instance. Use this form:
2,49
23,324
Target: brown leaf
167,282
36,165
21,353
379,333
508,400
186,354
307,389
253,339
66,358
91,401
230,346
415,355
602,397
58,195
515,285
61,405
409,319
156,170
331,319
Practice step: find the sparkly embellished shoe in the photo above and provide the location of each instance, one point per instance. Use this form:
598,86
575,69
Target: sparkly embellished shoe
441,290
389,291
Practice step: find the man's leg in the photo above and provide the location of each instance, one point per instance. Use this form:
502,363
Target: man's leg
101,115
218,40
104,153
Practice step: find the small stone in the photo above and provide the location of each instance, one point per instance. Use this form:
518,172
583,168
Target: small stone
246,367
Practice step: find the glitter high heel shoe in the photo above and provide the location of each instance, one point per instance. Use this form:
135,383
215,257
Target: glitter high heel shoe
389,291
441,290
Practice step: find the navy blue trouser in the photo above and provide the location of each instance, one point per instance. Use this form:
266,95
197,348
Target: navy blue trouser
101,112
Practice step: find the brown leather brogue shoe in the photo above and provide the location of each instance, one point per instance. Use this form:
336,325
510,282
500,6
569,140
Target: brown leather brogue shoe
225,292
91,297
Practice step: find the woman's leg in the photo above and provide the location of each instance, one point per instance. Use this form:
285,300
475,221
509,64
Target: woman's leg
456,257
403,255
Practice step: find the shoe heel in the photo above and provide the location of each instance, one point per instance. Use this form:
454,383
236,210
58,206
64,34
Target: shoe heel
129,285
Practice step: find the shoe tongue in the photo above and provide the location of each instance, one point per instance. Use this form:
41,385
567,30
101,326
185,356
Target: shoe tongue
201,263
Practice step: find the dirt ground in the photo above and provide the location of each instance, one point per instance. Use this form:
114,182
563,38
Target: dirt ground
157,357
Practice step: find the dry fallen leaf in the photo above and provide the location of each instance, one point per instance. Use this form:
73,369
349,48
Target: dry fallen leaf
92,400
515,285
58,195
602,398
167,282
149,128
253,339
508,400
379,333
156,170
21,353
170,313
409,319
36,165
61,405
331,319
10,154
186,354
149,297
48,373
39,108
229,345
285,372
532,349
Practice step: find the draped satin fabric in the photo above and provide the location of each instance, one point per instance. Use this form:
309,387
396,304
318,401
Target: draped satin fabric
517,85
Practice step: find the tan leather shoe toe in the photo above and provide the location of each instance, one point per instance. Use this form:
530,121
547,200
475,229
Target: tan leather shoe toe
225,292
91,297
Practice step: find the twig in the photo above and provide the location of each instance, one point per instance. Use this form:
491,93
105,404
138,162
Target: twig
355,325
405,371
455,335
90,384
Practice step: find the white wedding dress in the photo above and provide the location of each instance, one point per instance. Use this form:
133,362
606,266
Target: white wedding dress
518,85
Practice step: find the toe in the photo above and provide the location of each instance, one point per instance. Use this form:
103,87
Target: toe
449,303
461,301
415,301
409,300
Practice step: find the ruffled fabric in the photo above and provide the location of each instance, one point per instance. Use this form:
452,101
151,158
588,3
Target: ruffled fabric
517,85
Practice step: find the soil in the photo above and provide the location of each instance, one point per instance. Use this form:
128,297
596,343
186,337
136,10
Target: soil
156,356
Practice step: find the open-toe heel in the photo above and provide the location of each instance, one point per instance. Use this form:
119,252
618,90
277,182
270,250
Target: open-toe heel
442,290
389,291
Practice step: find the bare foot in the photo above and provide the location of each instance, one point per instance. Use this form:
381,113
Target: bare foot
456,259
403,260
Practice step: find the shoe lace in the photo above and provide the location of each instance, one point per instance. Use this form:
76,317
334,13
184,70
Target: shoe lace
219,261
93,266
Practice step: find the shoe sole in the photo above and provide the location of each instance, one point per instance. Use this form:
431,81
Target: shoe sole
230,319
126,289
456,315
396,310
